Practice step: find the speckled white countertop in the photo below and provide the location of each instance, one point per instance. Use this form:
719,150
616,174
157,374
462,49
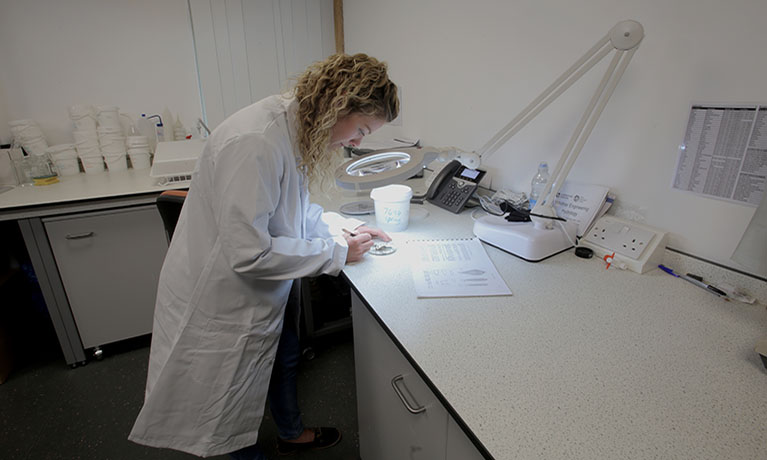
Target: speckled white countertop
581,362
82,187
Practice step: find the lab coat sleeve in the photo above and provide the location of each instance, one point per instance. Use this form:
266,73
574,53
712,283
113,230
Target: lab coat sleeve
324,224
253,188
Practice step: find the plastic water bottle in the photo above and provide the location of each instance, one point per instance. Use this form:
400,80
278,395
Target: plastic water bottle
538,183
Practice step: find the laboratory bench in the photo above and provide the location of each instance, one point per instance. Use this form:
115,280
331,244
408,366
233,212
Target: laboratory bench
96,243
581,362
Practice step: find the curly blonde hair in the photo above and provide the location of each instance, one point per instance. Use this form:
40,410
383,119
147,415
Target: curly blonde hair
332,89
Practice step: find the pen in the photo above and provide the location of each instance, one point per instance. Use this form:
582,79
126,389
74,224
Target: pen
696,282
714,289
351,233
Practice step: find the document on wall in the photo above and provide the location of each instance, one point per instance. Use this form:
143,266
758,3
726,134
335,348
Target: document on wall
582,203
724,153
455,268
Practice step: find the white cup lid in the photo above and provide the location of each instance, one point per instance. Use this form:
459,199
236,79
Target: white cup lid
394,192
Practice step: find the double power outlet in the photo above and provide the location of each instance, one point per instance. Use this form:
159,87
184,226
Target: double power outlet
639,247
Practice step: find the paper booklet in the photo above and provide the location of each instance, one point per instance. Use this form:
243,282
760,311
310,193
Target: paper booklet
582,203
454,268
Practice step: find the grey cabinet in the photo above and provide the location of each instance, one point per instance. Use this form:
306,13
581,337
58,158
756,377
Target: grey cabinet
399,416
109,263
459,447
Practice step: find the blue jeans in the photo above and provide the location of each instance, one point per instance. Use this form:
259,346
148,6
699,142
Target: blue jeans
283,391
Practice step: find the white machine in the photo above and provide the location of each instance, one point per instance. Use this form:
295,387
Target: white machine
175,161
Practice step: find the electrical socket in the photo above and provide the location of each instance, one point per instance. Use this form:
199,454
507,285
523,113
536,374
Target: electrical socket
637,246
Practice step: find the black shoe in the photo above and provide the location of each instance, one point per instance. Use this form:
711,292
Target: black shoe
323,438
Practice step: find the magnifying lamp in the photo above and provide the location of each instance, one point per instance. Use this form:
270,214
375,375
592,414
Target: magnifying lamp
382,167
547,234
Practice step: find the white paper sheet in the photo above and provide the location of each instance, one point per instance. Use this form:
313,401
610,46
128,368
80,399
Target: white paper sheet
581,203
724,153
455,268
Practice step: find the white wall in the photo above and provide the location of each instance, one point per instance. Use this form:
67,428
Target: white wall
467,67
137,55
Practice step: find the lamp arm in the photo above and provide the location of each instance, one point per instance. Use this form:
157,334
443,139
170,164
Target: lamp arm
607,86
546,97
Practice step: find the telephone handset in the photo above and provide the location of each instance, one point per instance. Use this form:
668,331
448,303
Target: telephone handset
453,185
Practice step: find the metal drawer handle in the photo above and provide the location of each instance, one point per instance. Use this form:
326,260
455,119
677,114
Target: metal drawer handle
411,409
79,236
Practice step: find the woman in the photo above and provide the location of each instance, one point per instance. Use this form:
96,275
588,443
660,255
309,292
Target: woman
247,230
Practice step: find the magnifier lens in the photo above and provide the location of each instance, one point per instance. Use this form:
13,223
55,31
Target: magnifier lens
375,164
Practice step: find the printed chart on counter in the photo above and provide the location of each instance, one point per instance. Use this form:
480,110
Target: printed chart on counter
724,154
455,268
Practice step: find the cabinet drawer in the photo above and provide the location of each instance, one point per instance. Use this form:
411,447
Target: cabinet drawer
399,416
109,262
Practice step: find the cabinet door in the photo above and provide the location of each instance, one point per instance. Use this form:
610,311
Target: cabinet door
399,416
459,447
109,263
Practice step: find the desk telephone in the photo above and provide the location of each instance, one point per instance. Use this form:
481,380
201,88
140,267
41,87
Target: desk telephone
453,185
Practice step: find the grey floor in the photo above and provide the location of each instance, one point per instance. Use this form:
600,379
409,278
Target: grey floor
50,411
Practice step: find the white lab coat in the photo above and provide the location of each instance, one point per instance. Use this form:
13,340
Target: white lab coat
246,231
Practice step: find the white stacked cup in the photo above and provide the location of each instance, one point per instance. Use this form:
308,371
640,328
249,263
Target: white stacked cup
108,116
29,135
84,117
65,159
86,138
112,143
138,151
87,146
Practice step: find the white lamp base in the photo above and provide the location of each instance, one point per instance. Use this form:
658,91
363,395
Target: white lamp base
523,240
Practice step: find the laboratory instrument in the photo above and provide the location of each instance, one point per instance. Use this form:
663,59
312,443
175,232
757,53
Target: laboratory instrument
174,161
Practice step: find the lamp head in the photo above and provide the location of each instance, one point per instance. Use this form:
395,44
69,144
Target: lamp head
379,168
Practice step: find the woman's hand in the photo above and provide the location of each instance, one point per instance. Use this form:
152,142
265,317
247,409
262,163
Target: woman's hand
373,232
361,240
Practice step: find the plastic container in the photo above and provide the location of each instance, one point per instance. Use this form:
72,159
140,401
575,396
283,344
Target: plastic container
137,142
43,170
64,158
392,207
21,165
179,132
538,183
84,117
35,146
85,136
113,146
108,117
92,164
160,132
145,127
118,162
139,158
25,129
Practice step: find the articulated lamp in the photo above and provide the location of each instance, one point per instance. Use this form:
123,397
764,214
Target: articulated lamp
547,234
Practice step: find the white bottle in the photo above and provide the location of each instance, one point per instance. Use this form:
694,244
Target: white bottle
160,132
146,127
179,132
538,183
